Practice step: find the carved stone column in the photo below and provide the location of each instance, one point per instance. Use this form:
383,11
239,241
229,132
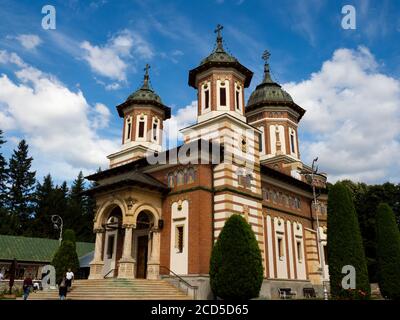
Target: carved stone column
153,265
96,266
127,262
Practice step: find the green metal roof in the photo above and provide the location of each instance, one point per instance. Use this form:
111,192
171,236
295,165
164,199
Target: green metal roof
35,249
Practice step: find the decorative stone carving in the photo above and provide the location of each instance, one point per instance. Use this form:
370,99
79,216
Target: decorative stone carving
130,202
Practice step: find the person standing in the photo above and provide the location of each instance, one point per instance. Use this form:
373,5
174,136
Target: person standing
12,271
27,286
70,277
63,288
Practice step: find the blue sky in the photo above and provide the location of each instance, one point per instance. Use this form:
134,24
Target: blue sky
95,57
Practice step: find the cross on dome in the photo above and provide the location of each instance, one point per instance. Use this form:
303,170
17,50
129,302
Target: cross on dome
146,76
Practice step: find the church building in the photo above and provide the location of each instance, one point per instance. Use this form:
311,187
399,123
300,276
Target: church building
159,212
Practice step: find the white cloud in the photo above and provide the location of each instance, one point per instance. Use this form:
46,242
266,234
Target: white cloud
59,124
184,118
29,41
111,59
352,119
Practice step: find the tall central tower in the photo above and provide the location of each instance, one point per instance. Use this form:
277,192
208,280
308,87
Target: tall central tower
220,81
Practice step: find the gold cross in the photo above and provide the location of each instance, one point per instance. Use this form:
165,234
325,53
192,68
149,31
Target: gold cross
218,30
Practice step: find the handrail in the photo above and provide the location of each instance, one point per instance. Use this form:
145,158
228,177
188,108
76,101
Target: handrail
105,276
194,288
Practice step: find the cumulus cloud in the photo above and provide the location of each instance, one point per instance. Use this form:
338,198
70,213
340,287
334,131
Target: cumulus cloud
29,41
111,60
352,119
61,124
183,118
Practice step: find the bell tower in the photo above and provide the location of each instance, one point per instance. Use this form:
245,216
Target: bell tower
273,112
143,114
220,81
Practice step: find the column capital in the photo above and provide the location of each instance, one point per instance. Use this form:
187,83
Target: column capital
99,230
129,226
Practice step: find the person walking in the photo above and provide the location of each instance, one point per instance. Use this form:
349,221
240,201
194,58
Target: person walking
70,277
27,286
63,288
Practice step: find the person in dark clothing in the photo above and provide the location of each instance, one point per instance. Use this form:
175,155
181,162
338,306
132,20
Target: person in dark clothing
63,288
27,286
12,271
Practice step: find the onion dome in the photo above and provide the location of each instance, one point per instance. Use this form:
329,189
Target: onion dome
219,58
271,93
145,96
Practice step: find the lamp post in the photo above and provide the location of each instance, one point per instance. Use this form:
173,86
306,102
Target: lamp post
314,170
58,224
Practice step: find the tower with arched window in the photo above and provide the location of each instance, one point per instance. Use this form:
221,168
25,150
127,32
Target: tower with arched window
143,114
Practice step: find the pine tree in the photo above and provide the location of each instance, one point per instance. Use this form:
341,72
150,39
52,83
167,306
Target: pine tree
388,252
45,203
76,205
22,182
345,244
3,175
236,270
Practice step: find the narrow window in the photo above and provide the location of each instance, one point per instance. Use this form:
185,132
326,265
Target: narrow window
280,248
155,131
179,239
292,142
171,180
299,251
260,142
206,99
238,100
128,129
222,97
141,129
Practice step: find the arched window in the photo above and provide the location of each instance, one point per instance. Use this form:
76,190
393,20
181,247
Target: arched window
128,129
180,180
171,180
191,175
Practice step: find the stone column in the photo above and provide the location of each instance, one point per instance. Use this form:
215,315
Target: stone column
96,266
127,262
153,265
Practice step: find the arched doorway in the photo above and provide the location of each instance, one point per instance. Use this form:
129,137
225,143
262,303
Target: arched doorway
144,225
113,241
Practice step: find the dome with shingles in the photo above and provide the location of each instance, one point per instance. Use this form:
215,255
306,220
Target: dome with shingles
145,93
219,58
268,90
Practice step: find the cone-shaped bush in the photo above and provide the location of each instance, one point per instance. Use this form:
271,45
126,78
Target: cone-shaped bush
388,252
236,270
345,245
66,256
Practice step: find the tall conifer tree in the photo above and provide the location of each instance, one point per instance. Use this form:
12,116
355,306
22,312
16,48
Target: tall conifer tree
22,182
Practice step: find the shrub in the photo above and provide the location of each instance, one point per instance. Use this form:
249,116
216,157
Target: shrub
236,270
345,245
66,256
388,252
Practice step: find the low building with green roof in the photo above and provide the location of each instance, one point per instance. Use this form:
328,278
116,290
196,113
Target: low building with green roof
33,253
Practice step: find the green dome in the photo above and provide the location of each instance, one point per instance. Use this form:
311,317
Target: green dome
145,93
268,91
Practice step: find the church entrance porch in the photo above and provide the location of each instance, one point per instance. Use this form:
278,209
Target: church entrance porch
127,250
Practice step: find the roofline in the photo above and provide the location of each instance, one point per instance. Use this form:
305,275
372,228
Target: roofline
142,162
167,110
203,67
285,177
265,103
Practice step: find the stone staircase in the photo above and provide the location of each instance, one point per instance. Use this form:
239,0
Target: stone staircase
116,289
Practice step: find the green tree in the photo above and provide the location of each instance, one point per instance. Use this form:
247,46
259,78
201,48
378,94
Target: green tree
66,256
345,244
44,209
3,175
22,182
388,252
80,210
236,270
